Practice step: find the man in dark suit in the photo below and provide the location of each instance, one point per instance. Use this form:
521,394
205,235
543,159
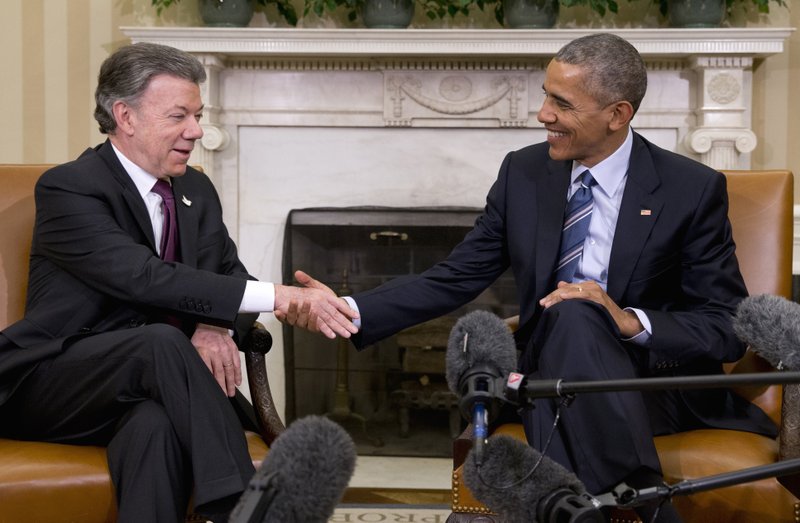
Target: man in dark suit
129,335
651,286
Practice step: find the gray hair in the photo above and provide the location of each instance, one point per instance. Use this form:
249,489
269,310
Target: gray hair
614,68
125,75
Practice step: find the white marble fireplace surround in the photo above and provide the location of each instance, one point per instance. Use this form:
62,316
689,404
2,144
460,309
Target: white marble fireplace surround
301,118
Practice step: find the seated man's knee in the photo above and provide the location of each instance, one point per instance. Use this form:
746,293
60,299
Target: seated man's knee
147,419
572,311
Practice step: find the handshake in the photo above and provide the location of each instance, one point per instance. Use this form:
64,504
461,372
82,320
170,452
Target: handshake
314,306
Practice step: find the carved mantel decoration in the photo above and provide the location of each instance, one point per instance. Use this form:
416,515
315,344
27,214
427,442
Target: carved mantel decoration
481,78
698,102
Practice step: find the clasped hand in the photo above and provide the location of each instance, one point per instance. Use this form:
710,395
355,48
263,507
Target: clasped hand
627,321
315,307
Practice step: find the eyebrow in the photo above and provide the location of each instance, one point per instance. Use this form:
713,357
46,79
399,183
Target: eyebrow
186,109
558,98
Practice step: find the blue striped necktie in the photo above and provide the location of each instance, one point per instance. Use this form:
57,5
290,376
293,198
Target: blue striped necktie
577,216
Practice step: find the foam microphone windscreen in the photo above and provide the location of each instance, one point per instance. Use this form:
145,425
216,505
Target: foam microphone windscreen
771,326
308,468
499,483
488,341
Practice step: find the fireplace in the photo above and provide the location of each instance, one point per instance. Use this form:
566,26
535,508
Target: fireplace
391,397
299,118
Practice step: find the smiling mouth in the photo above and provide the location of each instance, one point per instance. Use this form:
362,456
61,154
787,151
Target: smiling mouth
555,134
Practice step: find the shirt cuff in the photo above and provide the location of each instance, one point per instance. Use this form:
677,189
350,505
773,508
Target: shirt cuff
353,305
643,338
259,296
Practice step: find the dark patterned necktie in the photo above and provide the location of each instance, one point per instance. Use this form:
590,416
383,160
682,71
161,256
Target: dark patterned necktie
577,216
169,232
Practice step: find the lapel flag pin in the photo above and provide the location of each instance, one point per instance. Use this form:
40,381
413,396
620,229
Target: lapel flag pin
643,212
186,201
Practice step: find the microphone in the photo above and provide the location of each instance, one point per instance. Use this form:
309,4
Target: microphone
771,326
303,477
480,350
522,485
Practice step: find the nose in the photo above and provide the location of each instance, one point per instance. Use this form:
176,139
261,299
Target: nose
193,131
546,113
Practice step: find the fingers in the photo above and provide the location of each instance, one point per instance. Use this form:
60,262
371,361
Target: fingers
220,355
307,281
315,308
292,313
336,318
586,290
227,370
232,371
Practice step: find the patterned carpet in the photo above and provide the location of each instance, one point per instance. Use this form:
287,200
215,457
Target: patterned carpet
406,513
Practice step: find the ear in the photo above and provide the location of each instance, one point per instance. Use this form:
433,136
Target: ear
621,116
124,116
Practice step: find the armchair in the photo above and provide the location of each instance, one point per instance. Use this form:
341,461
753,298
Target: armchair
761,214
48,482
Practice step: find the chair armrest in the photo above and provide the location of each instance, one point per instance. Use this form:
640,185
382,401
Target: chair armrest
255,346
789,437
462,445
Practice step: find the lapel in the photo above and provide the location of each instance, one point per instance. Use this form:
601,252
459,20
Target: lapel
550,204
639,211
188,222
130,194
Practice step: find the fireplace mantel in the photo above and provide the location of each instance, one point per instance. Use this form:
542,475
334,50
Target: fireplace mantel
752,42
720,60
299,118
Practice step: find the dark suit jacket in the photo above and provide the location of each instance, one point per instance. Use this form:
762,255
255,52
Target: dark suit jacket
94,268
673,257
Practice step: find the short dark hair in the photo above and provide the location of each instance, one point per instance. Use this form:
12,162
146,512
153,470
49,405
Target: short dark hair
127,72
614,68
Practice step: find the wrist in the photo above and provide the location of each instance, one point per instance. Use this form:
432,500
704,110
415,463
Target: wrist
631,324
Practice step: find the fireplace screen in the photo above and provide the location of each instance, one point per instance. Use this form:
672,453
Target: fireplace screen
392,397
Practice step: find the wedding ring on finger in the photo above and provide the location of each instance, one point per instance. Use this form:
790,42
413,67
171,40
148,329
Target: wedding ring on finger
229,364
580,289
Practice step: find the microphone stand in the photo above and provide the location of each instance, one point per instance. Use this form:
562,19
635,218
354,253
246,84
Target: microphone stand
256,499
520,390
626,496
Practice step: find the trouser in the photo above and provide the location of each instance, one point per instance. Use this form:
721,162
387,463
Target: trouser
602,437
146,394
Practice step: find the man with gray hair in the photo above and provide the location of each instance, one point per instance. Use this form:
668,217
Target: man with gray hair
625,267
137,300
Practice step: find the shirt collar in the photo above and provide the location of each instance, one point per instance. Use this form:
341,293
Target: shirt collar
143,180
609,173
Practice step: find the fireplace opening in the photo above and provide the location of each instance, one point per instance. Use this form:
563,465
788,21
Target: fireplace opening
391,397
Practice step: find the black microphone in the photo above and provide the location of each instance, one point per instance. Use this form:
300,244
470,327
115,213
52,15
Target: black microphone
521,485
480,350
771,326
303,477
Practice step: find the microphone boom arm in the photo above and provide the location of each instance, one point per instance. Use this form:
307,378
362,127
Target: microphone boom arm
519,389
627,497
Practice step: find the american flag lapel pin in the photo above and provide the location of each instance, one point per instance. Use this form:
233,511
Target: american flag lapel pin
186,201
645,212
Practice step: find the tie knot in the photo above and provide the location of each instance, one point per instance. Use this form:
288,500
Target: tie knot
586,179
163,189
